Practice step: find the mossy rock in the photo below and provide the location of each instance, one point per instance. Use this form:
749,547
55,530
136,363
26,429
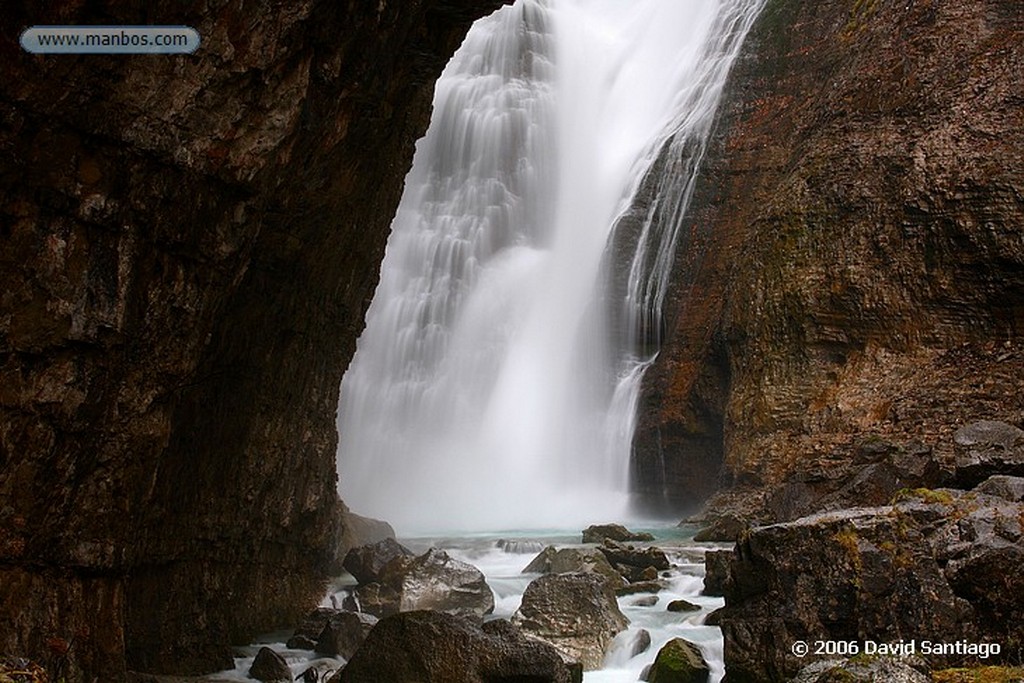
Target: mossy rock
679,661
683,606
982,674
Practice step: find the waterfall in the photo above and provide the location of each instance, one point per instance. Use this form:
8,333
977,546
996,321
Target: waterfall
488,390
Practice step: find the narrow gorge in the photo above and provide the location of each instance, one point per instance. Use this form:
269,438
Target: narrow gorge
756,264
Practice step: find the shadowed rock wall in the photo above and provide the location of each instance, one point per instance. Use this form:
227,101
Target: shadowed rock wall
857,247
187,248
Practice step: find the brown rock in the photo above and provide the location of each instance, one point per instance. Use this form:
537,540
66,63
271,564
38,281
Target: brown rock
597,533
860,252
270,667
189,245
343,633
632,556
716,571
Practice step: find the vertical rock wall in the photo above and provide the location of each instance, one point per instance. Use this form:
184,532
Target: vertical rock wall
187,248
857,246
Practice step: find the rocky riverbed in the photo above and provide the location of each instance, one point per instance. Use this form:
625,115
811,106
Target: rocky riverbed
599,612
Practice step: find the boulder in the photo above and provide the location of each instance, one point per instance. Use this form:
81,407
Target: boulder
310,627
645,601
575,560
343,633
862,574
432,581
270,667
433,647
577,613
640,643
621,555
682,606
860,670
640,587
876,472
679,661
1003,486
596,533
986,448
716,571
367,562
991,579
301,643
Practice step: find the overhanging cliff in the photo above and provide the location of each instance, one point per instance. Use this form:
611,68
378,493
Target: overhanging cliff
188,247
857,247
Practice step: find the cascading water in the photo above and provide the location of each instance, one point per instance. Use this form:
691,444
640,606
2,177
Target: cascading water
487,390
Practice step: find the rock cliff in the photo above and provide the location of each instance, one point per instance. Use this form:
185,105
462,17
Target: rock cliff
857,256
188,246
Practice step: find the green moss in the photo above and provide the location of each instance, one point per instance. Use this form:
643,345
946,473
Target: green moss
849,541
860,14
926,495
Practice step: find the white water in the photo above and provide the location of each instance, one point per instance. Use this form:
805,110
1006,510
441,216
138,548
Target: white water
487,391
503,572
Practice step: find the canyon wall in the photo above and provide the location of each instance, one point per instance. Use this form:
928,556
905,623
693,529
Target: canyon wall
855,258
187,247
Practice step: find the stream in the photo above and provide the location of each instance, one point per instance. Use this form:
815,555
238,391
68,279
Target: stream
503,572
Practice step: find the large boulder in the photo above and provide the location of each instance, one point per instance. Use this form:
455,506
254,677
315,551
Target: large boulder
1003,486
343,633
433,647
597,533
628,558
432,581
367,562
981,547
577,613
270,667
872,473
310,628
574,560
987,448
716,571
679,661
854,575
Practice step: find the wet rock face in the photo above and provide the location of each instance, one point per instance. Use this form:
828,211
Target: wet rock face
189,244
366,563
433,581
856,247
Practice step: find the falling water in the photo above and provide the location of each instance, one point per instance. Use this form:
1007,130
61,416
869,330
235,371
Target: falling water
487,390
